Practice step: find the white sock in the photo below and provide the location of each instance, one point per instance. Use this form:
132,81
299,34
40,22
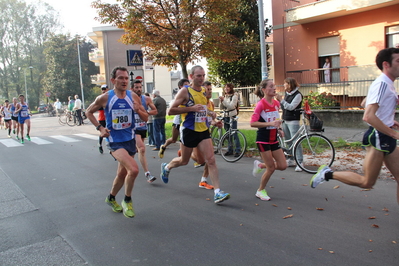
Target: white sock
166,168
217,191
148,172
204,179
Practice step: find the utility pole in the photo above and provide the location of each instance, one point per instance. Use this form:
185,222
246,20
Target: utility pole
262,40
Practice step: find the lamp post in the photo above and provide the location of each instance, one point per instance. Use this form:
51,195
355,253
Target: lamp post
26,87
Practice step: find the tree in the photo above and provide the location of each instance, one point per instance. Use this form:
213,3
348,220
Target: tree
62,78
246,70
176,31
23,30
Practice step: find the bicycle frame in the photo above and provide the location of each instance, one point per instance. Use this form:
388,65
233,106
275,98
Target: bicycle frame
302,131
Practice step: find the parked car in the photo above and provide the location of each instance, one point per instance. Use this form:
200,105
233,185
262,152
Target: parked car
42,108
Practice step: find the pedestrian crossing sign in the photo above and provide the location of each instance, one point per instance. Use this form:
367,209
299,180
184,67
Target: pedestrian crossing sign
134,58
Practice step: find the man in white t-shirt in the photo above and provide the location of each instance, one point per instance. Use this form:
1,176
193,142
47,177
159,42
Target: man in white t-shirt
57,106
78,109
380,138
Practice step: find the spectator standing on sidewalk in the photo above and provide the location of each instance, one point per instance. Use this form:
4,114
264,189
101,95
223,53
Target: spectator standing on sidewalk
150,127
381,137
159,120
78,109
229,103
290,105
58,107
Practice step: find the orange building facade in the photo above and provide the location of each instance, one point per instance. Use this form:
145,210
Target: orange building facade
348,33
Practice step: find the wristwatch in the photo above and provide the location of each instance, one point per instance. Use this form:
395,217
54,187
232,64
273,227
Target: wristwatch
98,127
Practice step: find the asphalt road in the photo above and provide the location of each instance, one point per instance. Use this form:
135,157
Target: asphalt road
52,212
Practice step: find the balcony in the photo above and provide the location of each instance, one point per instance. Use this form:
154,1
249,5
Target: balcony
96,55
327,9
349,85
98,79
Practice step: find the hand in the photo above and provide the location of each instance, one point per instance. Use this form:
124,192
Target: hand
221,98
104,132
279,97
197,108
277,123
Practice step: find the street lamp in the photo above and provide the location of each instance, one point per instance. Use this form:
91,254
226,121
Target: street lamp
26,88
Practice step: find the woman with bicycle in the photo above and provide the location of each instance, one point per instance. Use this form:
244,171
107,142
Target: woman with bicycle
290,105
266,119
229,104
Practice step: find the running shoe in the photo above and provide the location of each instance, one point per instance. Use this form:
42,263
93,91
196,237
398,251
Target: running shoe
22,141
150,178
27,137
13,131
318,178
205,185
115,206
164,173
221,196
17,137
290,163
256,170
9,136
100,149
197,165
128,210
228,153
298,169
161,151
262,195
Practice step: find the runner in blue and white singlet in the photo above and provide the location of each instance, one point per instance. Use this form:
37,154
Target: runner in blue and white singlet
120,117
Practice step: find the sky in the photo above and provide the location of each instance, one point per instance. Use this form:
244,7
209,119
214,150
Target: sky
77,16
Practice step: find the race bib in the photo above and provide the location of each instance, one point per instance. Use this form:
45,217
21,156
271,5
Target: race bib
121,118
24,113
201,117
138,121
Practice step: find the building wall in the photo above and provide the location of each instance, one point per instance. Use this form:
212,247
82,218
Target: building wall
362,35
115,54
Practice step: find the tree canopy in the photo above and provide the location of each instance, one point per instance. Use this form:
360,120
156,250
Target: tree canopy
246,69
23,30
177,31
62,77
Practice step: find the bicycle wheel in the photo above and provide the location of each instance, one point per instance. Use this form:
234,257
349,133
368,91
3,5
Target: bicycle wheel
234,142
312,151
216,135
70,120
62,119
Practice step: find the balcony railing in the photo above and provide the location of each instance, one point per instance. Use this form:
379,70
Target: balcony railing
98,79
96,55
348,84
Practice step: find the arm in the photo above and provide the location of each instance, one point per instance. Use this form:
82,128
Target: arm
371,118
229,105
182,98
139,108
150,104
18,108
295,102
100,101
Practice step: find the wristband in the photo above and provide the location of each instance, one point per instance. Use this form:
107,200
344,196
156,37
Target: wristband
98,127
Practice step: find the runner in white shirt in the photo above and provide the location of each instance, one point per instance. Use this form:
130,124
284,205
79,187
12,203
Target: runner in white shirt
380,138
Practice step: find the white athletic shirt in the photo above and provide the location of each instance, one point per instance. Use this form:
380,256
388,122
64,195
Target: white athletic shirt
382,92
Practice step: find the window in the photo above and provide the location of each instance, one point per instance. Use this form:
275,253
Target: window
328,52
392,36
